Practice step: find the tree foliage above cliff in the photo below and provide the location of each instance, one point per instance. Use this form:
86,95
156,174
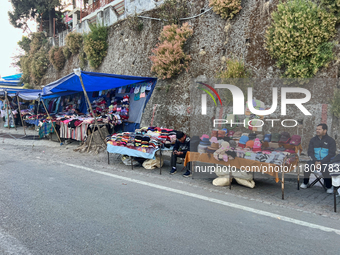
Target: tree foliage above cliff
298,38
23,10
34,62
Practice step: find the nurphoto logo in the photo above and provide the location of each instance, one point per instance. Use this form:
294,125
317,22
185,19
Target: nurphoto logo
239,103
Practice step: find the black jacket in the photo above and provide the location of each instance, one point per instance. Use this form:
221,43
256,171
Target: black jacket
322,149
184,147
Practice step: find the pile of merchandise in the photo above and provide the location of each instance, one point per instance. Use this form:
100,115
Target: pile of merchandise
273,148
145,139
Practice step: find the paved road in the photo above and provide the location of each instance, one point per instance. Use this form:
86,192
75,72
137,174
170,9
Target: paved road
59,207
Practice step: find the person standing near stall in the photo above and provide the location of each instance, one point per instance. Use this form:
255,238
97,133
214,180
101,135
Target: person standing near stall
8,114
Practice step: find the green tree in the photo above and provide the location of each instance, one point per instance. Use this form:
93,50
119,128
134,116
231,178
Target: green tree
23,10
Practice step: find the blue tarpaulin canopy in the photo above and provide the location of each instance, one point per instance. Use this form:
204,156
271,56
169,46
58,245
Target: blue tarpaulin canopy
26,94
15,77
10,84
92,82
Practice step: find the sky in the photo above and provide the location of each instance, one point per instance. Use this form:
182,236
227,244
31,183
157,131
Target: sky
9,38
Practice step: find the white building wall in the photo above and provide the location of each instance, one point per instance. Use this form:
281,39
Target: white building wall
108,16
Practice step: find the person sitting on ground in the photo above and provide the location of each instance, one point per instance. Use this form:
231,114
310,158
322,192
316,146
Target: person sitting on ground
181,147
78,112
321,150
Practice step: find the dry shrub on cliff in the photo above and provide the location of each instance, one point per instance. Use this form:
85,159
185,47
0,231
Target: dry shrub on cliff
171,11
134,23
235,69
74,42
170,59
226,8
299,38
57,58
67,52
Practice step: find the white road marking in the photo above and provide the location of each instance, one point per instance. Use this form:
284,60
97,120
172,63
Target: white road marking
213,200
11,245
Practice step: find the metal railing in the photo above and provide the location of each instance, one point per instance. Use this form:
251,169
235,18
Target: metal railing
93,7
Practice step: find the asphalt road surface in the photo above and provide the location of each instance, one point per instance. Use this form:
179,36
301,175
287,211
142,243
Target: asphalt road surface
67,208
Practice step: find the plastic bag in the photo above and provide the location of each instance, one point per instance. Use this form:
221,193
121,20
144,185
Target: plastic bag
153,163
127,160
221,181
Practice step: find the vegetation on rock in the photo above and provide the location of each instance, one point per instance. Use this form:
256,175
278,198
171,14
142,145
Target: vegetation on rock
169,58
298,38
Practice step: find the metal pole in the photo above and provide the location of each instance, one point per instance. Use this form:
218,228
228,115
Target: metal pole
6,98
52,122
88,101
53,28
20,115
283,185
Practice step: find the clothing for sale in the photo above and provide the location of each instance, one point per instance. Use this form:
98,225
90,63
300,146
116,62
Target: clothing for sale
46,129
78,133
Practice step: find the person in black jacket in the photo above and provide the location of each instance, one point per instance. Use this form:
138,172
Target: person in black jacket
182,146
321,150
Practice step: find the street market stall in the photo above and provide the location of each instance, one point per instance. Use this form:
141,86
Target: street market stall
114,101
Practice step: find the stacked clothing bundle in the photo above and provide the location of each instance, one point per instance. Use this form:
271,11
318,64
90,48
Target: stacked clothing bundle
124,113
119,139
138,140
99,105
125,138
145,142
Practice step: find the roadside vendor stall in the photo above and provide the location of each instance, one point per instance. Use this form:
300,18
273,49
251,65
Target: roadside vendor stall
143,143
13,109
114,101
239,155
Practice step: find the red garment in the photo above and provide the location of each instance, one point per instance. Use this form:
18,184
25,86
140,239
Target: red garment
78,122
256,149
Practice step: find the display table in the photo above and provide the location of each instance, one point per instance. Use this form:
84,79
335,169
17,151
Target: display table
32,122
132,153
254,166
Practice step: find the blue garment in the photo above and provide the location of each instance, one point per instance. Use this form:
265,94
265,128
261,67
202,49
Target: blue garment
320,153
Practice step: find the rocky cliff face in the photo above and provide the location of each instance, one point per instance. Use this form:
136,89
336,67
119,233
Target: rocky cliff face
213,39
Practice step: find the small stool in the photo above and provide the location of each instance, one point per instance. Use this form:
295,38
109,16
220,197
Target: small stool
318,178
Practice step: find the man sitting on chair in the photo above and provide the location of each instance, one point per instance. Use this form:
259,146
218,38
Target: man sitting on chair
320,150
182,146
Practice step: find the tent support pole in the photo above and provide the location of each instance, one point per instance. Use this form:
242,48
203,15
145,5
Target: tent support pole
95,119
51,121
22,122
7,110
